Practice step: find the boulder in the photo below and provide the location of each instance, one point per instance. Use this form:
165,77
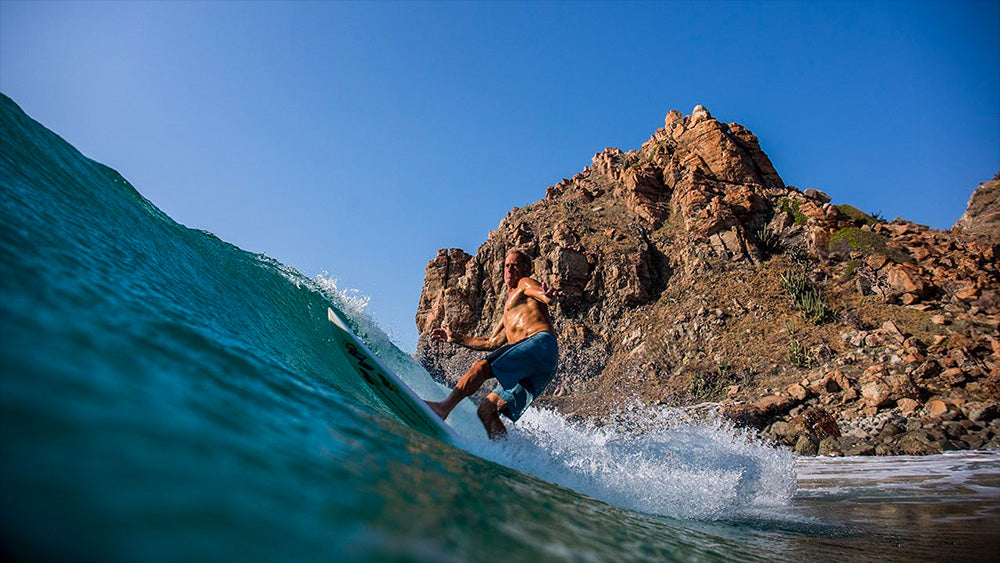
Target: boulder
918,442
851,446
815,422
952,377
743,415
876,393
778,432
907,406
903,279
798,392
954,429
833,382
892,332
937,407
816,195
829,447
812,211
760,413
985,413
806,445
973,441
889,430
774,405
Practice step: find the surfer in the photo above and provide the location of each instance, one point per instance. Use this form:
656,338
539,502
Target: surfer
524,352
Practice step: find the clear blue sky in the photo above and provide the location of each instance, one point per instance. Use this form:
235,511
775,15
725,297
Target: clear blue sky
359,138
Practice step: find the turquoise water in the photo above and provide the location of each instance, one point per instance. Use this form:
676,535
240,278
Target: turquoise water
167,396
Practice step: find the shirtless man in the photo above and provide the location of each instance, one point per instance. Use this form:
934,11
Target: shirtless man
524,366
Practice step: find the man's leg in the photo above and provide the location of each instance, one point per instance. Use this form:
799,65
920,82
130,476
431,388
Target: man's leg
489,415
467,385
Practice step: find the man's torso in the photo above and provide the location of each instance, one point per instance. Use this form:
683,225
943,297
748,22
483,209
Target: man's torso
524,316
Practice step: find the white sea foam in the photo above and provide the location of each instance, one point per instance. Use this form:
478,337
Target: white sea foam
350,301
651,461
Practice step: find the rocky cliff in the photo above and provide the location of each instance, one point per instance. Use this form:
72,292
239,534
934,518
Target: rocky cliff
693,274
982,215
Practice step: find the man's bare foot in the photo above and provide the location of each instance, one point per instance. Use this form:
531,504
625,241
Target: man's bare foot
438,409
498,435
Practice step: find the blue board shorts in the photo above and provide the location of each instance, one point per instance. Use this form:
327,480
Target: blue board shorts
523,370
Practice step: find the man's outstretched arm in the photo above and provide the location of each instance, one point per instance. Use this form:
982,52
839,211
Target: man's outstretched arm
496,340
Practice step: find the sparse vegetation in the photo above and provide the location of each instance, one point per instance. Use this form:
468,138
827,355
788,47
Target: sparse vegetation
853,238
797,353
852,266
792,206
704,387
860,240
808,299
768,242
859,217
794,282
711,385
814,305
798,255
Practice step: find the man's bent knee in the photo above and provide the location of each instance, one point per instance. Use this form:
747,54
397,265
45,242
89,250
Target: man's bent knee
474,378
482,367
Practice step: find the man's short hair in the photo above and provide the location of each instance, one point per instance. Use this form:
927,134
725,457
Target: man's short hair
523,258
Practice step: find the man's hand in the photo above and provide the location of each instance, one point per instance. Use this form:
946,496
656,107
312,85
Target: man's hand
552,292
442,334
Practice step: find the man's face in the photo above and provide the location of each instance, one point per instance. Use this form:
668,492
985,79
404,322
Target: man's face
513,270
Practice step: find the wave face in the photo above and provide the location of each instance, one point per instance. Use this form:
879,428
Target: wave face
168,396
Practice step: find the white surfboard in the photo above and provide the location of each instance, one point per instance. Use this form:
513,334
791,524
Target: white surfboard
387,386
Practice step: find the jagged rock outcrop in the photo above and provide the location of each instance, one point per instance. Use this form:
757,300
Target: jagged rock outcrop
445,293
982,215
692,273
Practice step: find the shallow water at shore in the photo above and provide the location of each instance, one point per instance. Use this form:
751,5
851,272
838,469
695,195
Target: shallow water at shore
905,508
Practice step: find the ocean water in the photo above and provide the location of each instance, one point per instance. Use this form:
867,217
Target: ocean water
166,396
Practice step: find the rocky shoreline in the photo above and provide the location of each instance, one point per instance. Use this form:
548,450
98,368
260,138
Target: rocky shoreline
918,400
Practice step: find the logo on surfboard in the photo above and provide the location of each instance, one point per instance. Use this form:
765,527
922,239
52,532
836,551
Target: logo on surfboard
367,371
